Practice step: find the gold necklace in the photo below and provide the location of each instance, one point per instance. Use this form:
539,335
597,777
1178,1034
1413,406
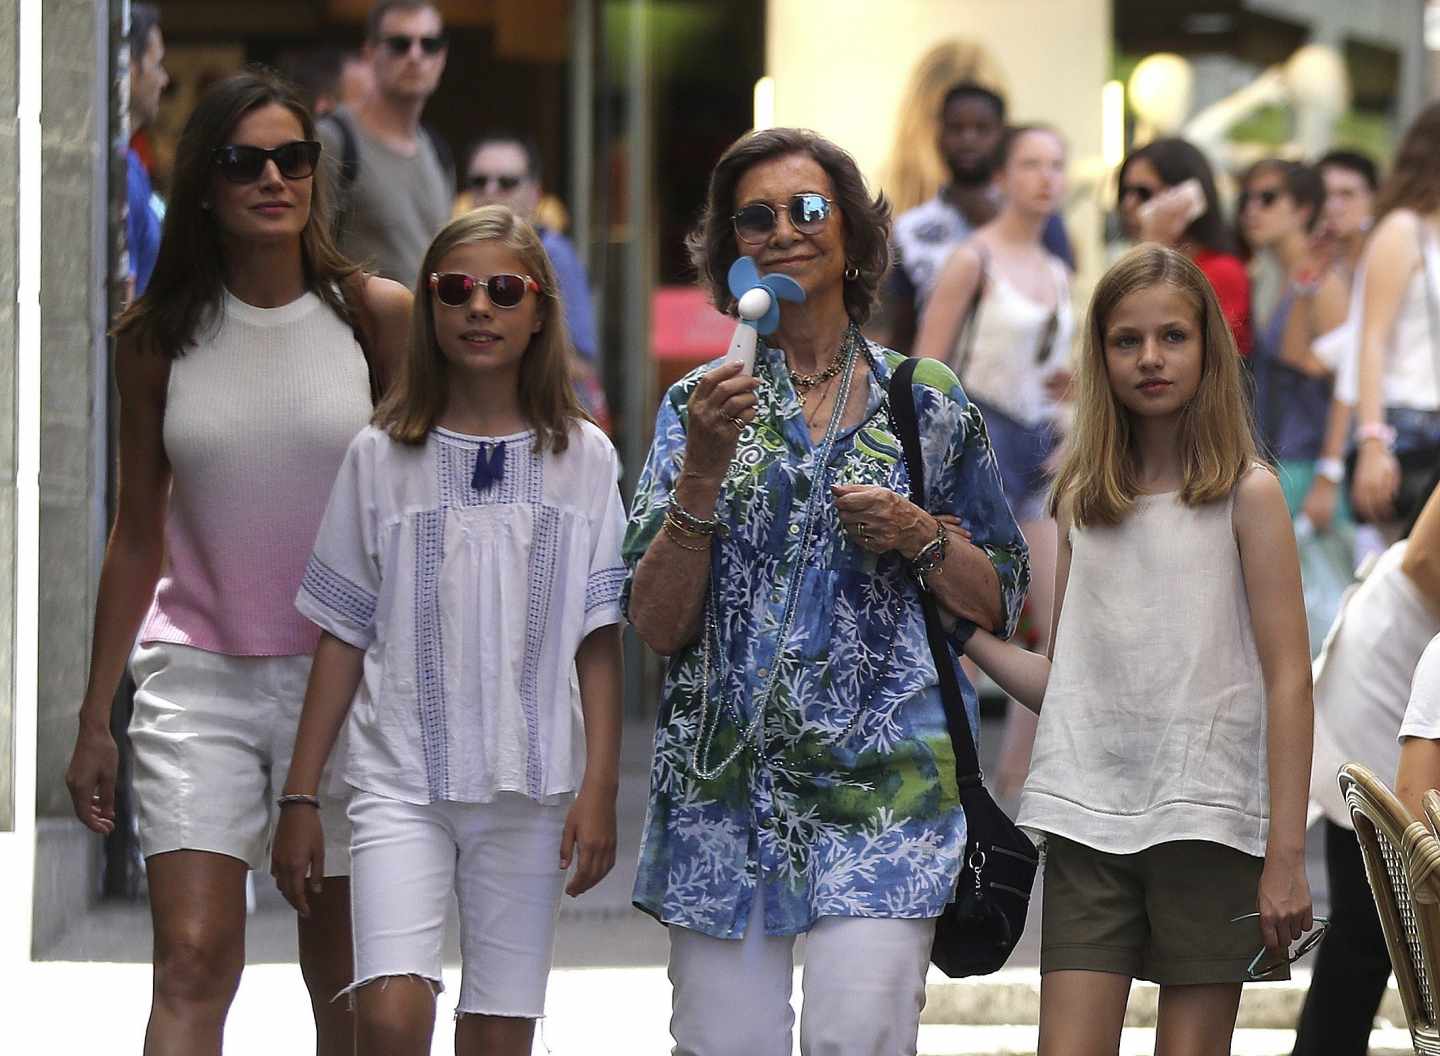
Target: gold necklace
805,382
814,416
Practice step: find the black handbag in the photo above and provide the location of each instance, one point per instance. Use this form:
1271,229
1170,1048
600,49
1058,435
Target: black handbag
1419,467
978,930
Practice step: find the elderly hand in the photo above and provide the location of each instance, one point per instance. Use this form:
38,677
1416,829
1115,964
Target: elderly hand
880,520
722,404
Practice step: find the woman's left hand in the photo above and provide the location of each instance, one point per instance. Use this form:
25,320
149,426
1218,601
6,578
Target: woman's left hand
880,520
589,838
1283,903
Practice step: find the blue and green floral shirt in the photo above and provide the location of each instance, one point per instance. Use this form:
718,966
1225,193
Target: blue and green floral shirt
852,811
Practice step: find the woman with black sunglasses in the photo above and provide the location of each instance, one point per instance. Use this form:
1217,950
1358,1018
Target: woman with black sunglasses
1166,194
243,372
804,777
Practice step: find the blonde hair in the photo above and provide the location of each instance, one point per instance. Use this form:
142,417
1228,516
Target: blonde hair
547,398
915,171
1217,442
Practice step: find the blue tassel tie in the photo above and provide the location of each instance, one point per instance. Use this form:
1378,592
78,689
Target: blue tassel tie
489,466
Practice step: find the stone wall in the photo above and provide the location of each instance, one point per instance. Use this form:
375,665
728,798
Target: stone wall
9,251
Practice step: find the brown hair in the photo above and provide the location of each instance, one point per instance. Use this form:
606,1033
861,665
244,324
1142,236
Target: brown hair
547,398
188,282
867,220
1217,441
1413,183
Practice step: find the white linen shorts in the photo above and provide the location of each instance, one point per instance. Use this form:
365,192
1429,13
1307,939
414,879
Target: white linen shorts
500,860
212,736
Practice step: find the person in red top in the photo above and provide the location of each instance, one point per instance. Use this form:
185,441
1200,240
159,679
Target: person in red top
1153,210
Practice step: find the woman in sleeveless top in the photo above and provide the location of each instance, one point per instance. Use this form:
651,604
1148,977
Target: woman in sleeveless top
1393,384
242,379
1000,316
1172,763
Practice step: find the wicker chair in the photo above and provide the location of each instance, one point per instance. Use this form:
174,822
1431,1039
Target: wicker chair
1431,803
1402,862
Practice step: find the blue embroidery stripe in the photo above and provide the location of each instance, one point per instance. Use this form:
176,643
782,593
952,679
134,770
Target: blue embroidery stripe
344,597
603,588
544,556
430,651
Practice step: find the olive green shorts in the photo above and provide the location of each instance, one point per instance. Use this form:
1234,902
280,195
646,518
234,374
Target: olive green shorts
1162,914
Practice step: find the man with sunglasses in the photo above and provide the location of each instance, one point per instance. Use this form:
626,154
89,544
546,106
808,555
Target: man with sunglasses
503,168
396,176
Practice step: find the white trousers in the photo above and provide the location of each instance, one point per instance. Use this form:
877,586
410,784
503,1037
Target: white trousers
863,988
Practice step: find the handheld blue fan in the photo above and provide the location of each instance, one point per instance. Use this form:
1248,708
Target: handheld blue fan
757,298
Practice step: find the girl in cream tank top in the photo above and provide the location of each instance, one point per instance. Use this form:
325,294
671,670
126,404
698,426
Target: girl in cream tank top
1171,766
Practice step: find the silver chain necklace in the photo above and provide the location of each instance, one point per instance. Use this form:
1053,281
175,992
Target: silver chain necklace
754,730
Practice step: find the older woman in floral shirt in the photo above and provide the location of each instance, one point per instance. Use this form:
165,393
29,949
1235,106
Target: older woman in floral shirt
803,779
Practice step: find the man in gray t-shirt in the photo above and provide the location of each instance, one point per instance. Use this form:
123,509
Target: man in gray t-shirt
396,178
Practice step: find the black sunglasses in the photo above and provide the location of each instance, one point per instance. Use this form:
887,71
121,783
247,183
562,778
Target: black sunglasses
1266,198
1133,191
483,181
399,44
453,288
755,222
1262,966
244,164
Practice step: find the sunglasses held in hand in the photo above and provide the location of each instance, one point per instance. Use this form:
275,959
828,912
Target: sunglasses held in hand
1265,965
808,213
454,288
295,160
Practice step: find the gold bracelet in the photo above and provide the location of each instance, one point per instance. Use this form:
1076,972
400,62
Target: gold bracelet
672,529
681,526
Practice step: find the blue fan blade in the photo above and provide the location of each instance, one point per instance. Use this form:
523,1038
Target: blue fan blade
783,286
743,277
767,323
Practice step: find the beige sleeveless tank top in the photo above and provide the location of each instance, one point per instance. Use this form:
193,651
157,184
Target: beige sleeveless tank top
1153,725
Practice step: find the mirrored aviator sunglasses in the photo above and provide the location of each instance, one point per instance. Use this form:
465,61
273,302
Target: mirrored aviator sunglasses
454,288
244,164
808,212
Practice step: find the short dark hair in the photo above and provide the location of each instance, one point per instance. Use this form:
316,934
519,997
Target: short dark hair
1355,162
503,135
867,220
384,7
1303,184
972,90
143,18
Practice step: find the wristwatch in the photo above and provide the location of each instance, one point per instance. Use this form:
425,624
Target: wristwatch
1331,469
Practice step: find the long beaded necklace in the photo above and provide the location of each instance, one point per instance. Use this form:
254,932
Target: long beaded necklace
753,731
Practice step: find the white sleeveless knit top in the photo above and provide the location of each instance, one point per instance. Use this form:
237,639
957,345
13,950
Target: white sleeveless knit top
1153,726
258,416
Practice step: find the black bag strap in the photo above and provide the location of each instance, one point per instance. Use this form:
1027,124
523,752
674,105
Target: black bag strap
902,416
965,339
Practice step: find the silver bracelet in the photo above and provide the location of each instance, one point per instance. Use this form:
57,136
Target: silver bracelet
298,797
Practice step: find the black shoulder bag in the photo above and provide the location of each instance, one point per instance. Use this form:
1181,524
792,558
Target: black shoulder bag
978,930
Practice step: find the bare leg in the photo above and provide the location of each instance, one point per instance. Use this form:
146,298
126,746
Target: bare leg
1082,1013
395,1016
1196,1020
1020,721
197,908
477,1035
326,962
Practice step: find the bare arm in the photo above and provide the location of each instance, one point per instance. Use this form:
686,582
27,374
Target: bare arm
1325,309
1271,568
388,306
668,591
1390,261
1419,772
1421,562
297,860
945,310
1019,672
591,823
133,560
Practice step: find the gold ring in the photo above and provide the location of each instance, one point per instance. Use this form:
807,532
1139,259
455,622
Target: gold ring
739,423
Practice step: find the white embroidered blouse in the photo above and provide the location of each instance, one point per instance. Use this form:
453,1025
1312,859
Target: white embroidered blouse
470,605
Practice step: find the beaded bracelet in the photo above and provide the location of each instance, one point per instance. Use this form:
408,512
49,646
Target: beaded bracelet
687,520
292,798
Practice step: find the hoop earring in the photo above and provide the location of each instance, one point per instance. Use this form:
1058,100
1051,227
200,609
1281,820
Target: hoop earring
852,273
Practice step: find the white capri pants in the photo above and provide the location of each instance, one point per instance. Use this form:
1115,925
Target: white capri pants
863,983
500,860
212,736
